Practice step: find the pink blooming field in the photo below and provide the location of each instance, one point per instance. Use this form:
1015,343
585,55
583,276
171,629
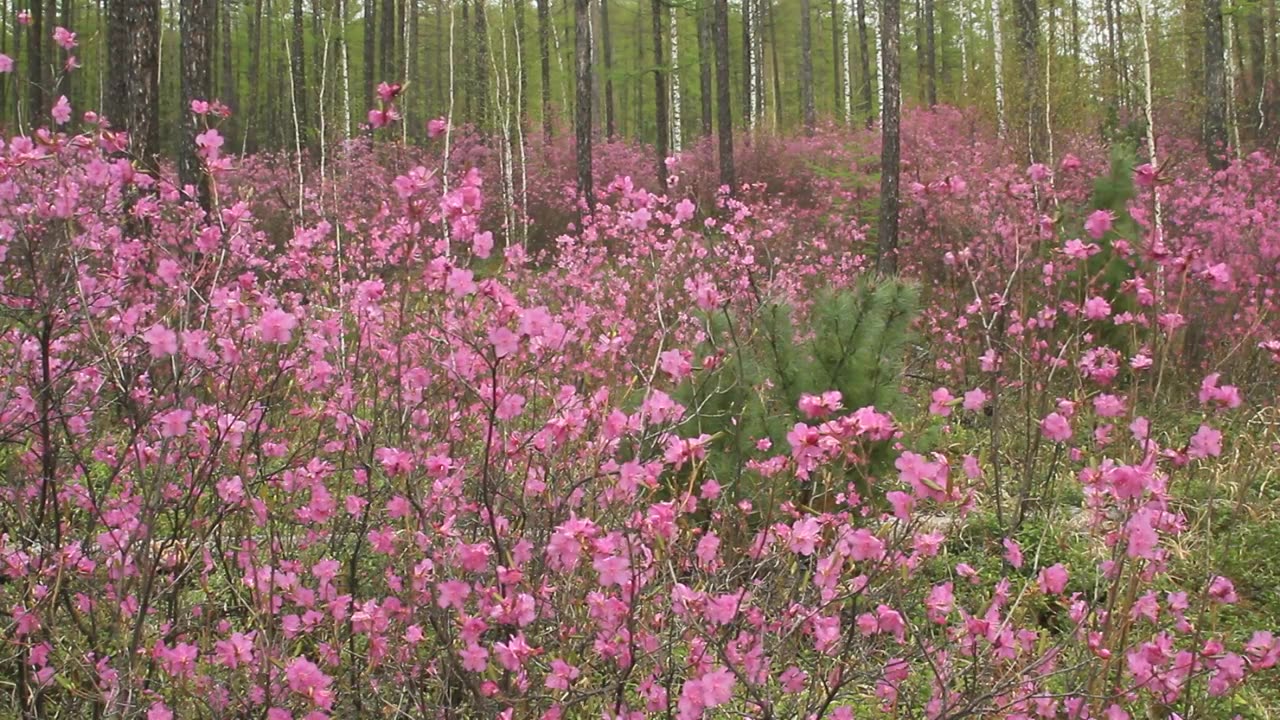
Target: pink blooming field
375,441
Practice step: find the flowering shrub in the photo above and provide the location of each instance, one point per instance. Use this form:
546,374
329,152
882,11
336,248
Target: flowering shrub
276,460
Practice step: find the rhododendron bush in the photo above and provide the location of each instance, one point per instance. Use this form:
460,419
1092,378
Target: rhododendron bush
350,449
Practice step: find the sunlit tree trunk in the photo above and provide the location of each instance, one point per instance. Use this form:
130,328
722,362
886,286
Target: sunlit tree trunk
837,89
891,104
704,68
370,57
1215,93
298,61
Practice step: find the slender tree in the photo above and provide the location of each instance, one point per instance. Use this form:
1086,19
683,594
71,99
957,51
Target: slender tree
704,67
298,61
582,105
663,131
197,29
837,63
607,47
1215,96
723,110
544,63
1028,20
864,60
806,69
133,38
35,62
930,56
370,47
890,139
748,107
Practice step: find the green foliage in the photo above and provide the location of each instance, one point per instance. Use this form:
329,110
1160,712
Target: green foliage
851,340
1107,273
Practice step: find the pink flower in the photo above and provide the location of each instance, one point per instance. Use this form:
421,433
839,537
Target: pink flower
6,63
1053,579
1144,175
505,342
474,658
309,681
974,400
64,38
1096,308
684,211
941,401
387,91
436,127
209,144
1038,172
1070,162
61,111
1013,552
1222,590
162,341
174,423
1056,427
482,244
1098,224
276,326
1206,443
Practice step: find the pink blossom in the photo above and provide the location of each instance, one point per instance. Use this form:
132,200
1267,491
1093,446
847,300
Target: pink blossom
61,112
1206,443
64,38
306,679
276,326
975,400
436,127
1098,224
6,63
1053,579
1055,427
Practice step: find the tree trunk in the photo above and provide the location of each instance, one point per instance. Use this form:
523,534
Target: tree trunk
608,70
677,129
887,242
133,38
1029,42
544,62
704,69
1215,96
582,105
387,41
777,71
370,48
837,64
35,63
930,56
723,109
660,95
480,73
228,59
298,61
864,60
196,30
748,107
806,69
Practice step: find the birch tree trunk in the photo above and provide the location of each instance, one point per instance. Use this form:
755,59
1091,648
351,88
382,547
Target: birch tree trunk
676,129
